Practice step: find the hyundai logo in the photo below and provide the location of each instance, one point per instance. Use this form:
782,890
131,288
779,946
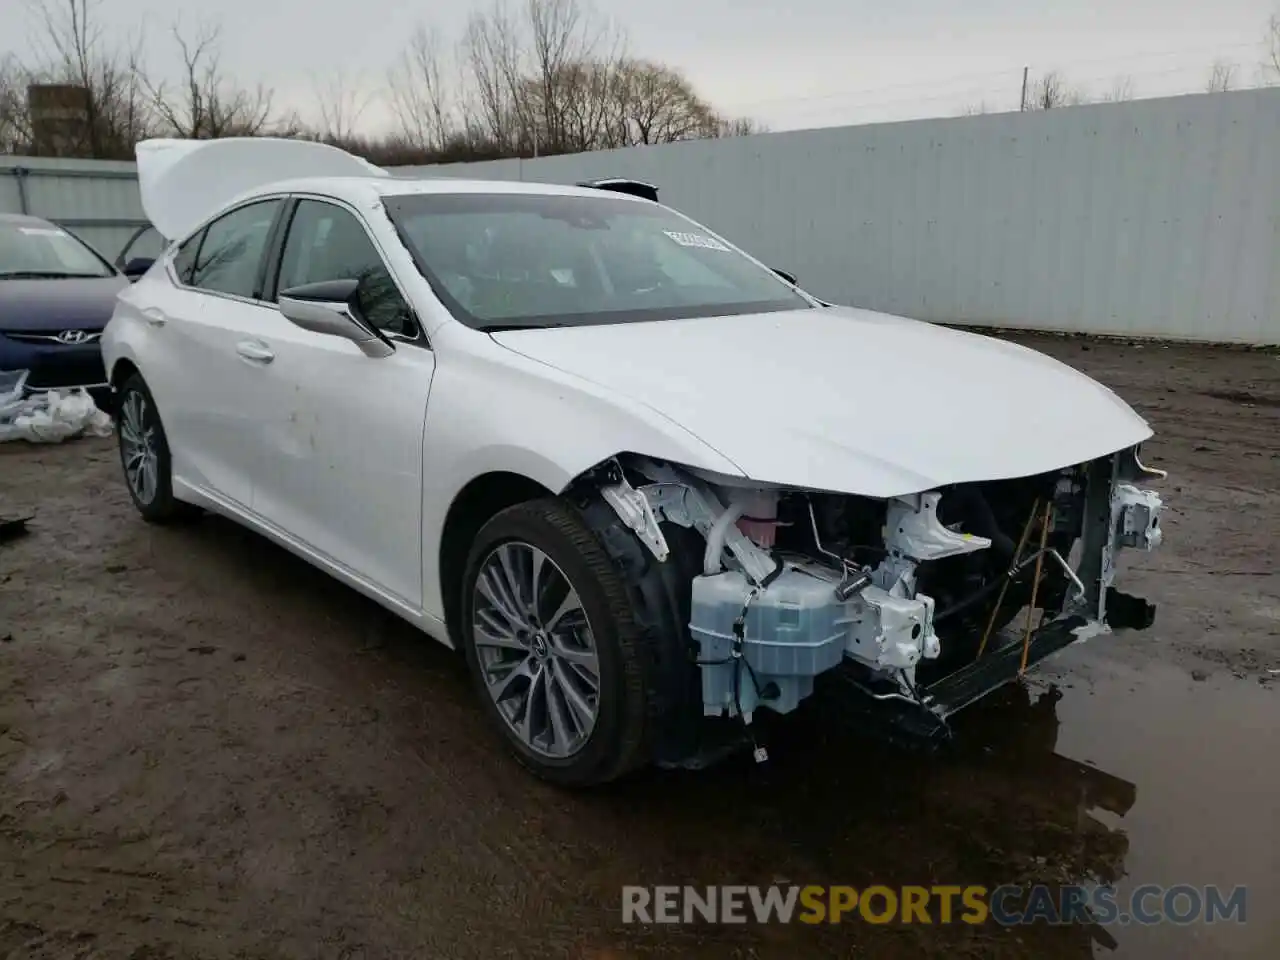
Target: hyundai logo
74,336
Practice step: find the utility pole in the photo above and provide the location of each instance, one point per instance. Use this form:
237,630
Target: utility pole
1022,106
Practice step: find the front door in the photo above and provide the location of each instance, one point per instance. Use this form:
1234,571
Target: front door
341,467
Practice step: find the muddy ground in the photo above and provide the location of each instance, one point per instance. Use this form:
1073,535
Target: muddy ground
207,749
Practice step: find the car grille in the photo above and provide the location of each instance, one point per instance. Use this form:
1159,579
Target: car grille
45,339
67,372
54,362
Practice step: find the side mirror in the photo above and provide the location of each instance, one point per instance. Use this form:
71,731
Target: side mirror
330,307
137,267
789,277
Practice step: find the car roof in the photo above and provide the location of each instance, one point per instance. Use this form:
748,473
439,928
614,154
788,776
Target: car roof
360,190
24,219
357,188
186,183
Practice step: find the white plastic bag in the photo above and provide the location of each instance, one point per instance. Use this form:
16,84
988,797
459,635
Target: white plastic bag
11,392
53,417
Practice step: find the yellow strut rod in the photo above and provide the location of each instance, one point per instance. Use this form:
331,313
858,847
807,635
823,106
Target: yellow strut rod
1035,586
1013,565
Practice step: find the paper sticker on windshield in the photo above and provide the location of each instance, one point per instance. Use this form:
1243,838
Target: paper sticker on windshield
43,231
696,240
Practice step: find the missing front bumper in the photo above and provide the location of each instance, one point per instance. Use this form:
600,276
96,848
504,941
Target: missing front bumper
971,683
945,697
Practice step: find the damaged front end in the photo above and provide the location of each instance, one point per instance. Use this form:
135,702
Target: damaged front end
909,599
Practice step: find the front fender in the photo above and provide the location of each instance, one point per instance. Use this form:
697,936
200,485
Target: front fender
495,411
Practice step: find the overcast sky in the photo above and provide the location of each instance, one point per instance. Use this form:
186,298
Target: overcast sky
798,63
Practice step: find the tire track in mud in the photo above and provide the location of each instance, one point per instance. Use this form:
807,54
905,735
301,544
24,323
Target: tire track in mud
318,701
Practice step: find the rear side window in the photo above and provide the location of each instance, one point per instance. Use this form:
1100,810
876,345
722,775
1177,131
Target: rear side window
229,260
184,261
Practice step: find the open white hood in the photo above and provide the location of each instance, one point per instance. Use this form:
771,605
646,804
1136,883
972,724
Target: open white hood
184,181
849,400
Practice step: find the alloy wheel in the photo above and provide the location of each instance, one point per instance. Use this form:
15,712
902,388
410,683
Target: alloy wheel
536,649
138,447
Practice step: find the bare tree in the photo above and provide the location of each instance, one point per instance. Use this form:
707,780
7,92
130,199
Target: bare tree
1222,77
15,120
739,127
495,62
71,50
574,58
205,104
566,110
655,104
1121,91
341,104
554,78
1051,91
541,77
1271,61
418,92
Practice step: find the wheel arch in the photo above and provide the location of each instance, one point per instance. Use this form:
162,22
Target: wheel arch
659,593
121,371
521,476
474,505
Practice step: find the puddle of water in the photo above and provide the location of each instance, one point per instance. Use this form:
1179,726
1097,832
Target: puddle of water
1201,756
1094,773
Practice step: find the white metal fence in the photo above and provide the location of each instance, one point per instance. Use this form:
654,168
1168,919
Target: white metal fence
96,199
1156,218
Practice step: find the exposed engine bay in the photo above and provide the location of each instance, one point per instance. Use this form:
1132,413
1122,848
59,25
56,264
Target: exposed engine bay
910,595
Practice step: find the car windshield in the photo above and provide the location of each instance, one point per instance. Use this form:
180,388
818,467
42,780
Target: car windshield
511,261
36,250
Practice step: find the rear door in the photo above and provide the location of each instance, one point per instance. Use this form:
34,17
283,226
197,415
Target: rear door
207,369
341,432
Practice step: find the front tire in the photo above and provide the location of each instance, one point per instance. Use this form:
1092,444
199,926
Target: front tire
553,646
144,455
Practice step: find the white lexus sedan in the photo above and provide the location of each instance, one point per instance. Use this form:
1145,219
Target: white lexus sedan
644,482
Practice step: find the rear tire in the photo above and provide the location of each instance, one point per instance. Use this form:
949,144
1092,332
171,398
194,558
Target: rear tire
144,455
554,648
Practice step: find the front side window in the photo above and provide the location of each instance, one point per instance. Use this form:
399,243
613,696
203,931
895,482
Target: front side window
32,249
524,260
326,242
229,259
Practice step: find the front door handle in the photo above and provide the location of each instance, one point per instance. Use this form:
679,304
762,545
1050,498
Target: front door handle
155,316
254,352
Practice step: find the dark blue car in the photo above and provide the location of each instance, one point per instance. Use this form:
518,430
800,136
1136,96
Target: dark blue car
56,295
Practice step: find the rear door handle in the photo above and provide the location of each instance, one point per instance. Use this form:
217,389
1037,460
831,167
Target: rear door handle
155,316
255,352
